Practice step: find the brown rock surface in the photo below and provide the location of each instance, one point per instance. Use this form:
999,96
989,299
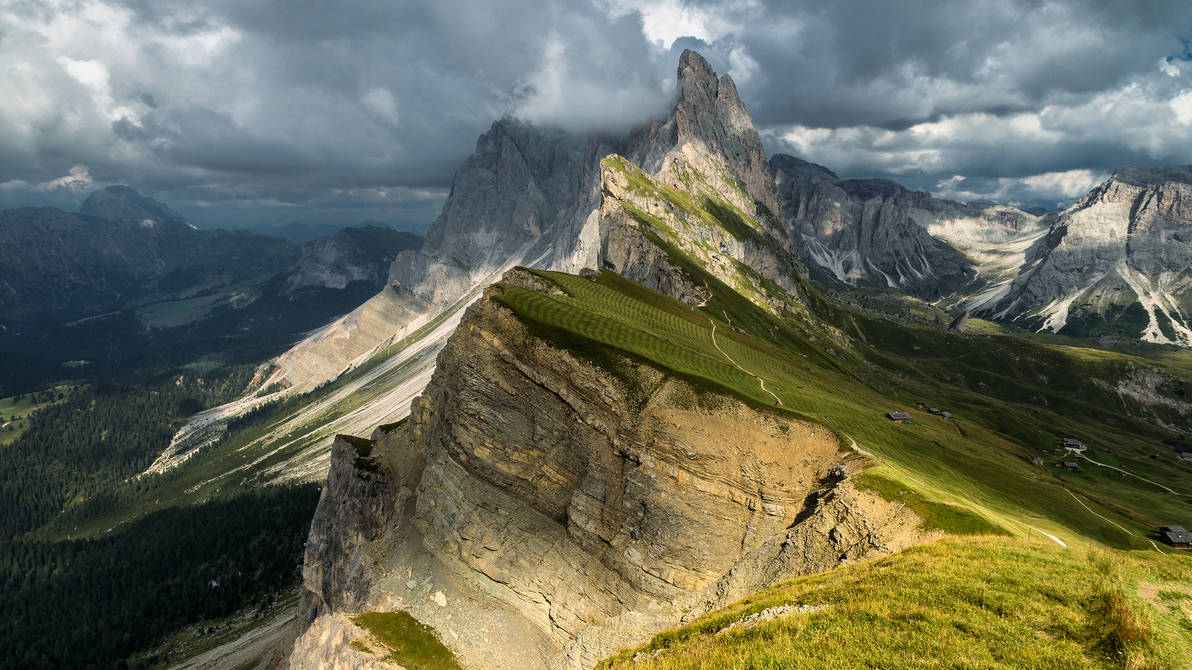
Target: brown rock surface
566,510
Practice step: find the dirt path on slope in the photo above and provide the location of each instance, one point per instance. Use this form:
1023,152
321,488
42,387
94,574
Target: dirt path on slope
761,382
1127,472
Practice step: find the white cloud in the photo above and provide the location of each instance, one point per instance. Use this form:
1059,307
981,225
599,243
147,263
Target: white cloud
77,181
559,94
381,102
1168,68
741,65
1055,188
1181,105
664,21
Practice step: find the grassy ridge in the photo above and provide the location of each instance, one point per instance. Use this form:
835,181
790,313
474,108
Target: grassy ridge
980,460
971,603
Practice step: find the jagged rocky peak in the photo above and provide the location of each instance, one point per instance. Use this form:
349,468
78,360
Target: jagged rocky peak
528,194
516,182
870,232
506,205
1116,263
532,196
122,203
709,115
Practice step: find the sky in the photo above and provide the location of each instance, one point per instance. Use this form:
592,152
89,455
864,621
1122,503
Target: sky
256,112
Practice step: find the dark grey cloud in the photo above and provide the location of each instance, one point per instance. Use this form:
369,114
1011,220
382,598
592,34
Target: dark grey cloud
297,104
992,92
239,111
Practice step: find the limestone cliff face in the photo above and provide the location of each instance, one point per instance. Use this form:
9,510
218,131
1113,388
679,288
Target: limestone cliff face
1117,262
354,509
506,204
874,232
710,115
640,214
544,511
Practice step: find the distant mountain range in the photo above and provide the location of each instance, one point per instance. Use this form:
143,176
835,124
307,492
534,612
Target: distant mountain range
1115,263
304,231
126,271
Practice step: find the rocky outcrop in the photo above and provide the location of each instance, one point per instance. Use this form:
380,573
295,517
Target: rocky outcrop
647,225
327,645
874,232
960,323
710,116
507,201
533,196
355,508
1115,263
577,507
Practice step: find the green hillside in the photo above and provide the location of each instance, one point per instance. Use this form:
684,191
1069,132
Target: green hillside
971,603
1077,579
980,459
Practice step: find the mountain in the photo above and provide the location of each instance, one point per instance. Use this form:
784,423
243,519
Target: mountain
563,510
126,272
1115,263
531,196
54,264
658,415
874,232
605,400
121,203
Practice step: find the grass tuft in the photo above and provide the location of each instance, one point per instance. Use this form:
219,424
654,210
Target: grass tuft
977,602
410,643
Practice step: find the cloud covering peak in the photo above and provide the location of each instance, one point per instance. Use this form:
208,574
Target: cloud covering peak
236,112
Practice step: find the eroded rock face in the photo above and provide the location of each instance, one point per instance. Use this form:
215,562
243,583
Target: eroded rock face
508,197
707,225
1115,263
710,114
327,645
532,196
874,232
355,508
574,509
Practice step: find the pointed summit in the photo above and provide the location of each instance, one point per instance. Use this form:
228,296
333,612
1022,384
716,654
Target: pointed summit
708,114
122,203
695,75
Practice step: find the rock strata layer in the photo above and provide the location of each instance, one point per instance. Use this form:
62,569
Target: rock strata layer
571,509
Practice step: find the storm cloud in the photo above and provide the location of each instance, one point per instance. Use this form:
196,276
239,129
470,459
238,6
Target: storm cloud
238,113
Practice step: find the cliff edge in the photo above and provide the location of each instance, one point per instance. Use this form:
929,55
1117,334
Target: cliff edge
550,502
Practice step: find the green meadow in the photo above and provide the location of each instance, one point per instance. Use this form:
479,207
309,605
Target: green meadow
1004,412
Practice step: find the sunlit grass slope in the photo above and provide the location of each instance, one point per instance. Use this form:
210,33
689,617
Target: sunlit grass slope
957,603
981,459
